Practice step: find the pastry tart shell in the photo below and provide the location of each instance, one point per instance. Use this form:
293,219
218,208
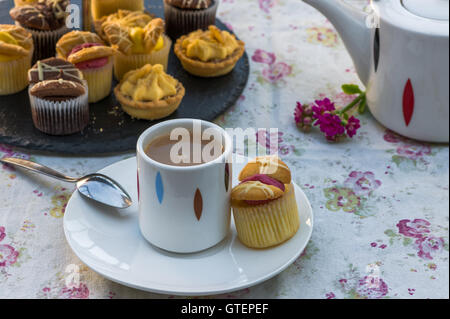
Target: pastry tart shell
150,110
208,69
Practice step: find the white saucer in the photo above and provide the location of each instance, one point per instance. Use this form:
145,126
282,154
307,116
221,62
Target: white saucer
109,242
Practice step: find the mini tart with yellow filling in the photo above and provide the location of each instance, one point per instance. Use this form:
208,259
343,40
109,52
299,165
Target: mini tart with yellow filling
16,51
209,53
264,205
138,40
88,52
149,93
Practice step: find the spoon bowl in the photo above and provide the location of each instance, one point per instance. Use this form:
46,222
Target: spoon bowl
97,187
103,189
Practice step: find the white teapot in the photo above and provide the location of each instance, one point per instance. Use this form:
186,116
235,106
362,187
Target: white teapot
401,54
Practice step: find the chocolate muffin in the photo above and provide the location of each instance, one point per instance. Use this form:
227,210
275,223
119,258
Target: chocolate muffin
58,97
46,21
185,16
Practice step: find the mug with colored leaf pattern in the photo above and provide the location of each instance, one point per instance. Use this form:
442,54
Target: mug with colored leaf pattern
184,209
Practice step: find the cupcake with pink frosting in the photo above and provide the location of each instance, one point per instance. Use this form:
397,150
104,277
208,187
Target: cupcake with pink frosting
92,57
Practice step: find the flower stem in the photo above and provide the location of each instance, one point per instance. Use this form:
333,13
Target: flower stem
352,104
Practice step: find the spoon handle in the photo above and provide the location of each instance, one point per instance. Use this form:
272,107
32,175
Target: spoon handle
35,167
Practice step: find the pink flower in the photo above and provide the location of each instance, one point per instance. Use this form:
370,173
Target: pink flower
8,255
362,183
266,5
352,126
276,72
414,229
80,292
372,287
428,246
261,56
2,233
331,125
322,106
303,116
414,152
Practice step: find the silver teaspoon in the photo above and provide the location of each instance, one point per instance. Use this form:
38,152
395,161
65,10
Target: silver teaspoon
98,187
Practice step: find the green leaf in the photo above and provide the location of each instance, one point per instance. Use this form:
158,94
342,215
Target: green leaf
390,233
407,241
351,89
362,106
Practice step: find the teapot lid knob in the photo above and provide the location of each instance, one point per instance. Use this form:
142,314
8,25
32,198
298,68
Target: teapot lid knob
431,9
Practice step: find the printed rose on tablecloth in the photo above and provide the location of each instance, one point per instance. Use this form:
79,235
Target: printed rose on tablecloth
429,246
342,199
420,235
6,151
354,195
267,5
80,292
277,143
322,35
372,287
261,56
407,153
362,183
369,286
273,71
8,254
418,228
414,152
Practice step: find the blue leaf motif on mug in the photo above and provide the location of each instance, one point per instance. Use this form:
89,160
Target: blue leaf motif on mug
159,187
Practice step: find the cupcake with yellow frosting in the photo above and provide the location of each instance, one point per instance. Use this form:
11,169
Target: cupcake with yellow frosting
92,57
101,8
149,93
16,51
264,205
209,53
138,39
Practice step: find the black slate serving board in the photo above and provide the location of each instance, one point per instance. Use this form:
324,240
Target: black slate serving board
111,130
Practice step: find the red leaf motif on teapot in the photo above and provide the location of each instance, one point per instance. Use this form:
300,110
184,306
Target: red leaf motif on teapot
408,102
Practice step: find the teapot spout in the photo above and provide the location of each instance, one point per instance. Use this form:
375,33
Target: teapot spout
352,27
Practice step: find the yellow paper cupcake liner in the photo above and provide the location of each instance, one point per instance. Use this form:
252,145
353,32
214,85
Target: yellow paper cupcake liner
14,74
267,225
124,63
99,81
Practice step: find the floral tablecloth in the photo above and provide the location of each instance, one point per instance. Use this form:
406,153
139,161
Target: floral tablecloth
380,200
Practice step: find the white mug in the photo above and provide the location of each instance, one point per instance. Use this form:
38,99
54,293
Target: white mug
184,209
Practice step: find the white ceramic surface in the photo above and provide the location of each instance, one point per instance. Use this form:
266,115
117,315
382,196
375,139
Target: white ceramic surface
403,63
181,209
109,242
